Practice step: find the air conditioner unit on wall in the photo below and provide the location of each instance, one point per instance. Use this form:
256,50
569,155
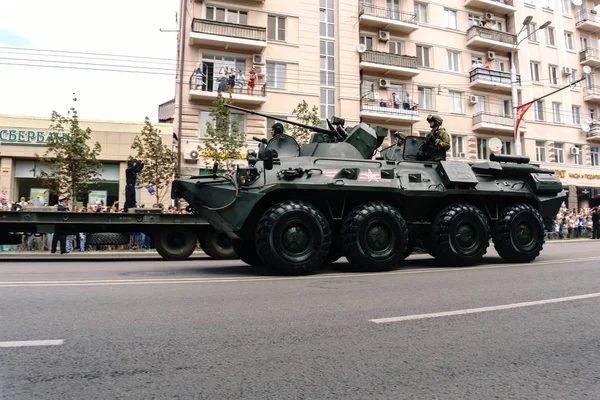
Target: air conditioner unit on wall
384,35
489,16
473,100
385,83
461,155
491,55
260,70
258,59
567,71
191,155
574,151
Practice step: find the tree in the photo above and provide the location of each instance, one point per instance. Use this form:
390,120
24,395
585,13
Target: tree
304,116
160,162
224,137
73,163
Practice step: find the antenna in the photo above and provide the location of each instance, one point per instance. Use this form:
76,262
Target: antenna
585,128
361,48
495,145
577,2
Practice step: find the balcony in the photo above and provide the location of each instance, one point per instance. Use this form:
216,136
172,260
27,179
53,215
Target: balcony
499,7
488,39
591,94
224,35
207,90
587,21
589,57
379,111
388,65
387,19
491,80
593,135
495,124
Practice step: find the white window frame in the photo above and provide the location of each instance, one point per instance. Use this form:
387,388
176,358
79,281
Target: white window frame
424,54
556,112
576,113
595,158
453,61
539,110
276,75
425,97
450,19
227,12
550,36
535,71
276,29
540,151
553,75
531,31
578,159
565,7
569,41
203,120
559,153
456,105
482,149
421,11
458,146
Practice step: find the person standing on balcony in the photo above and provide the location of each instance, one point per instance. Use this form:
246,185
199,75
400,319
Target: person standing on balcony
240,80
396,100
406,103
252,75
199,77
223,78
231,80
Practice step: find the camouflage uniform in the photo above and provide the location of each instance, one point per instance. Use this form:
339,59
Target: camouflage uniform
442,143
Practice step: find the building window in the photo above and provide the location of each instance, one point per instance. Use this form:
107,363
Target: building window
540,151
530,2
550,38
423,56
539,110
505,108
327,18
421,12
480,106
594,154
506,147
451,19
501,66
226,15
547,4
556,110
482,149
559,153
276,28
573,78
454,61
395,47
474,20
327,104
425,98
276,75
584,42
455,102
553,71
327,63
569,40
532,34
205,118
578,158
458,150
576,112
534,68
565,7
367,41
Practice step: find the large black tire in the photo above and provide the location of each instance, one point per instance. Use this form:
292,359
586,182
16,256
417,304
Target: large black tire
293,237
175,245
218,245
105,239
375,237
519,233
246,251
460,235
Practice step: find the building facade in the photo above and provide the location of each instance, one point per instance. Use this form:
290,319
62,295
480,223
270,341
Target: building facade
21,138
393,62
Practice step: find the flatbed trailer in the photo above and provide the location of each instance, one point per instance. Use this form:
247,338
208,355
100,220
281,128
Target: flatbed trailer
175,236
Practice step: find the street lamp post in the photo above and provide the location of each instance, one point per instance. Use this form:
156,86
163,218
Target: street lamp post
513,77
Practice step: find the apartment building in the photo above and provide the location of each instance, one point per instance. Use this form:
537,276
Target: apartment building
393,62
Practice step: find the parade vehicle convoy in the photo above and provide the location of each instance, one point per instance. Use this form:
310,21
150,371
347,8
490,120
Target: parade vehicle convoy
175,236
295,208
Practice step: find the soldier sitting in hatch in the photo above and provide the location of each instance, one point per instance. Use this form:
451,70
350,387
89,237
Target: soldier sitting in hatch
437,141
395,152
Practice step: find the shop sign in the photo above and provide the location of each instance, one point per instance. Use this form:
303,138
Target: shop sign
28,137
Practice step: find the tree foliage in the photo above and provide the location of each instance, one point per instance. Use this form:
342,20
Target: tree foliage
225,140
160,162
72,163
306,116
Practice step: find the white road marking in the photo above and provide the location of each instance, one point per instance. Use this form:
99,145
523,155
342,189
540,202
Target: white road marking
31,343
157,281
484,309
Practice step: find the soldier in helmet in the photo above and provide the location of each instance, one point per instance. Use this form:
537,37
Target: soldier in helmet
396,150
276,129
437,141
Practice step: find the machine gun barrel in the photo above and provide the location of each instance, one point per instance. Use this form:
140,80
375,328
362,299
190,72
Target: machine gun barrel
312,128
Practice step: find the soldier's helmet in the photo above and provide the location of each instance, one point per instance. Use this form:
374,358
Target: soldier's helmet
400,135
435,118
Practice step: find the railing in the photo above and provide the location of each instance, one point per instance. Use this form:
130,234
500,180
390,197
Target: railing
589,54
591,90
386,107
506,2
496,119
202,83
594,130
584,15
227,29
392,60
490,34
386,13
490,75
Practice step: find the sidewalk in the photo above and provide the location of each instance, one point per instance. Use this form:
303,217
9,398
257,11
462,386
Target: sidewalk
75,255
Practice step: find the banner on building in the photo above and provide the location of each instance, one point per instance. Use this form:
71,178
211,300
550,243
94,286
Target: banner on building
97,195
521,110
39,197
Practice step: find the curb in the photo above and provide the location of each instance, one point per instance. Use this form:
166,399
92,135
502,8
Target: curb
86,255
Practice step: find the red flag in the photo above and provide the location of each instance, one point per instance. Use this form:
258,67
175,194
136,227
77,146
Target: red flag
521,110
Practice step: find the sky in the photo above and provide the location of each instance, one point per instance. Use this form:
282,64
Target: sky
113,28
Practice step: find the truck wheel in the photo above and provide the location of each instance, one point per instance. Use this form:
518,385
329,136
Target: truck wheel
519,233
375,237
175,245
218,245
105,239
293,237
246,251
460,235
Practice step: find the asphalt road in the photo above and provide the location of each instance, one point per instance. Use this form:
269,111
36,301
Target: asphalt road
200,329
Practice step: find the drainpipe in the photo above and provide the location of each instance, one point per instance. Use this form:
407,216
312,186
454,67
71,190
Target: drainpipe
181,63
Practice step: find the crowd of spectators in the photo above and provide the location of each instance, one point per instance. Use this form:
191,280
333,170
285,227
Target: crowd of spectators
572,223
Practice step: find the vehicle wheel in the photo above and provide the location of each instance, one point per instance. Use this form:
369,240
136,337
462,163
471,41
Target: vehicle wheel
293,237
246,251
460,235
375,237
174,244
218,245
519,233
336,250
113,238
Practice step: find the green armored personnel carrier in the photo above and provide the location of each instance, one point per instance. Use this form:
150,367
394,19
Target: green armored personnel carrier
295,208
